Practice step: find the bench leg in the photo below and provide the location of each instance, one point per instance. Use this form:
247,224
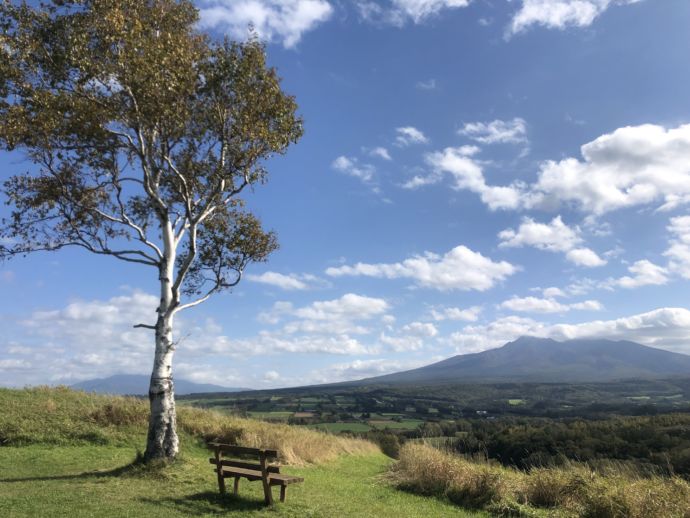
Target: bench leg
268,494
221,483
283,492
236,486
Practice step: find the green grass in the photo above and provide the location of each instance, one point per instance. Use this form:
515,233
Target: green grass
516,402
86,481
405,424
341,427
271,415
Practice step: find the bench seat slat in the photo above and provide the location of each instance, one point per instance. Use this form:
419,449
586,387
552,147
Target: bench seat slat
229,448
275,479
245,465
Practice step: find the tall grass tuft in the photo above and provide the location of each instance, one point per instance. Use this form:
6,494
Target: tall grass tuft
62,416
571,491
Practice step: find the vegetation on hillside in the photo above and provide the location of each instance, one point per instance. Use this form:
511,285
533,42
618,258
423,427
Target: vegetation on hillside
61,416
69,454
573,490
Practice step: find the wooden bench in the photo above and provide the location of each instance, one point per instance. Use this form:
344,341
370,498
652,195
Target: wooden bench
250,463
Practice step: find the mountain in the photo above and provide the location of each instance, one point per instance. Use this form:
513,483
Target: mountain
138,385
530,359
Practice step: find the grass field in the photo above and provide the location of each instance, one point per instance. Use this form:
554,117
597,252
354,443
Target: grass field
71,454
405,424
341,427
86,481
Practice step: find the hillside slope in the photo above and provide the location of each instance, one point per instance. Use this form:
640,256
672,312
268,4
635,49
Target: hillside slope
530,359
69,454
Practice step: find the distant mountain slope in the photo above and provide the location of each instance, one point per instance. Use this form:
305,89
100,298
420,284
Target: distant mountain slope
545,360
138,384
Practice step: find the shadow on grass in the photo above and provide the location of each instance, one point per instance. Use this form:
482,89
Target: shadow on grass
208,502
136,468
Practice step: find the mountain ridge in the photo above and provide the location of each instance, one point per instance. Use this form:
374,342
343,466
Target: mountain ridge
138,385
533,359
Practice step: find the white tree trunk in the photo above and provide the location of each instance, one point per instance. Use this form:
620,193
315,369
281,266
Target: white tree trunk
162,441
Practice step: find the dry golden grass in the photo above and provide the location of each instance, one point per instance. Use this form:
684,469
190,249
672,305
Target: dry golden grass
297,445
572,491
62,416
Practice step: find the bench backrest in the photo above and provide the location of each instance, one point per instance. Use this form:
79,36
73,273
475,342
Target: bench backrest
240,457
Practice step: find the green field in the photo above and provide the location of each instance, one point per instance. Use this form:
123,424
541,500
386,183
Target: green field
341,427
95,481
405,424
273,415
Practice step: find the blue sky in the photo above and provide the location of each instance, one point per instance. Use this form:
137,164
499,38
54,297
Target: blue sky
471,171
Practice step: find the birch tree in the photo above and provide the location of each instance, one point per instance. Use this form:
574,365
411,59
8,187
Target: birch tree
143,134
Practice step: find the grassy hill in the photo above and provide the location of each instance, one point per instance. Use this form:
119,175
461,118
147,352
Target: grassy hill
72,454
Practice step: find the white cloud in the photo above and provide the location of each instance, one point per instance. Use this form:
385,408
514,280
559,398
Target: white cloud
423,329
584,257
555,236
679,250
285,282
547,305
380,152
352,167
399,12
635,165
644,273
408,135
285,21
498,131
271,376
559,14
553,292
470,314
349,306
459,269
477,338
359,369
666,328
337,316
468,175
411,337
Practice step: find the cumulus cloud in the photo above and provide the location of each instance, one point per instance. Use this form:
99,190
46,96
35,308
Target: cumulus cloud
458,269
409,135
632,166
83,339
467,173
411,337
359,369
496,132
665,328
286,282
338,316
284,21
555,236
470,314
679,250
644,273
400,12
559,14
547,305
